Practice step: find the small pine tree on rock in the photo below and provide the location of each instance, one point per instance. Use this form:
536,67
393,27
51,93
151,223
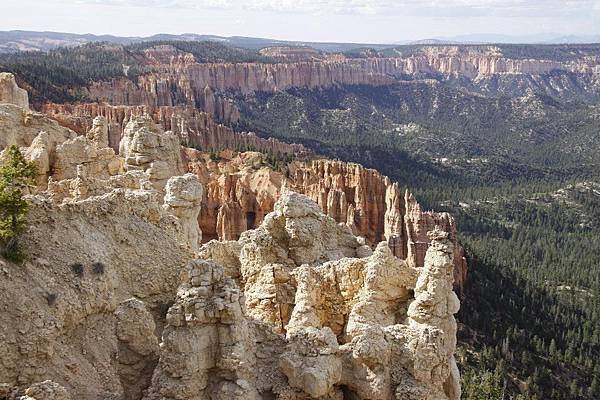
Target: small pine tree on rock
16,174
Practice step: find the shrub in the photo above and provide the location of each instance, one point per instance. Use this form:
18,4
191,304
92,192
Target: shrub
214,156
16,174
98,268
77,269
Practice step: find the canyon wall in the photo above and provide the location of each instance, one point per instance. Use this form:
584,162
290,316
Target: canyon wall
174,84
117,300
11,93
240,191
195,128
176,79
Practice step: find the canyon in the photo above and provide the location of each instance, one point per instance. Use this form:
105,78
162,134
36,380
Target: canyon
194,128
241,191
290,271
119,297
172,77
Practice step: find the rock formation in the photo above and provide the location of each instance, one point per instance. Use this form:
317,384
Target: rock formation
11,93
46,390
313,314
85,256
20,126
105,307
183,196
194,128
91,152
146,147
206,350
241,191
180,80
137,347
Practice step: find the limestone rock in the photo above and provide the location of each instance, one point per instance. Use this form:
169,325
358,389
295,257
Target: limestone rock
20,126
183,197
295,233
85,256
225,253
99,162
312,363
194,128
11,93
241,191
206,349
40,152
371,328
138,347
146,147
46,390
98,134
181,80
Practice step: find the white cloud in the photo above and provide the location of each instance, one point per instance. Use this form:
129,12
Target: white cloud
379,7
161,3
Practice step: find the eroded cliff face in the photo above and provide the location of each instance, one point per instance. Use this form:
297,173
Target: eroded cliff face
194,128
177,79
240,191
330,318
117,300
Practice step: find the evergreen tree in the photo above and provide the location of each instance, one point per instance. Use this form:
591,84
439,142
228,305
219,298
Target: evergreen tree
16,174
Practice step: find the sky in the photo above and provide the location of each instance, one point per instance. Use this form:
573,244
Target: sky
366,21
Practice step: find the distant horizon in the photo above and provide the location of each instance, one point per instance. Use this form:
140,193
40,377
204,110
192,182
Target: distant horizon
337,21
467,39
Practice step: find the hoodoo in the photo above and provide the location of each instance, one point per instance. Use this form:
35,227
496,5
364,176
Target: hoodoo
118,298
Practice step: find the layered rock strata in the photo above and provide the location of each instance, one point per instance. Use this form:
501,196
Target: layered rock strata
327,318
194,128
146,147
179,80
183,196
241,191
105,307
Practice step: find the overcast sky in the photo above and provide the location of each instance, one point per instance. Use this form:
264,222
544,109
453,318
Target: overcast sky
382,21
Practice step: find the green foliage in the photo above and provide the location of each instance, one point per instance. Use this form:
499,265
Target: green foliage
206,51
464,140
213,155
276,161
533,293
78,269
62,74
16,174
98,268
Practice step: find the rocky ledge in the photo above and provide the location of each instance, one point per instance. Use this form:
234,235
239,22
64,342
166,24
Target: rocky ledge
120,300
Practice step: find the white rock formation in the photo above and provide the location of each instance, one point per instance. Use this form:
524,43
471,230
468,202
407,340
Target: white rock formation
298,308
137,346
11,93
207,348
98,134
309,318
91,151
146,147
46,390
183,197
295,233
20,126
